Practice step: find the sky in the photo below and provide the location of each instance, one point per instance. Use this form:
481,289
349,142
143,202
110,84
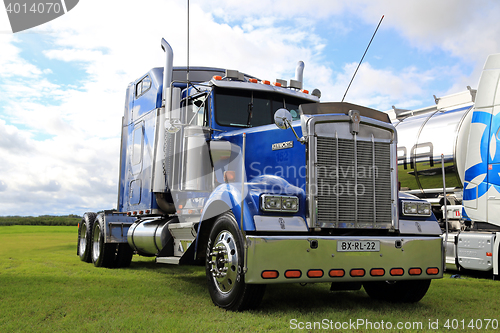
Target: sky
62,84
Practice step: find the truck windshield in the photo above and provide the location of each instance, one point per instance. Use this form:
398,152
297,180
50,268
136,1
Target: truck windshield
248,108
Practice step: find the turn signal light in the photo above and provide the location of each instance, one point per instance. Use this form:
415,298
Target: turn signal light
269,274
415,271
432,271
397,271
357,272
377,272
229,176
217,77
315,273
336,273
293,274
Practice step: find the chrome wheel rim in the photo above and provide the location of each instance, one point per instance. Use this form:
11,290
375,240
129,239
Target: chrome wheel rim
223,261
83,239
96,244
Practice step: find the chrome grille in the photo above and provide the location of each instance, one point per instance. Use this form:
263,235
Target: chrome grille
353,183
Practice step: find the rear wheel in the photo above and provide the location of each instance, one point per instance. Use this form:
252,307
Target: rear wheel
397,291
224,268
103,254
85,236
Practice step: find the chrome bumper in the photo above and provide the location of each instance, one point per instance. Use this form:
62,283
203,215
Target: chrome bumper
315,259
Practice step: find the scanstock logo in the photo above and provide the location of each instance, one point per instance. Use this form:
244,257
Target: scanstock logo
25,14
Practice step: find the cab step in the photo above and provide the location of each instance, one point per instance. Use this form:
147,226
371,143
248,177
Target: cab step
168,260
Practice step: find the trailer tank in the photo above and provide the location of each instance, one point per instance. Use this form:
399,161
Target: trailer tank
427,133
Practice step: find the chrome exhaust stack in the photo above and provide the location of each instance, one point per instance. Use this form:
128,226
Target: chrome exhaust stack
167,74
299,76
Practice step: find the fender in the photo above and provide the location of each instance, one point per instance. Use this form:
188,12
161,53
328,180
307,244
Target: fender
224,198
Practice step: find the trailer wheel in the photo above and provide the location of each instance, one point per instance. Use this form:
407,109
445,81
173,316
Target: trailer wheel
124,254
103,254
85,236
224,268
397,291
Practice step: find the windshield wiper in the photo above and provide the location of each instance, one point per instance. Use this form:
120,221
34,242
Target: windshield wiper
250,111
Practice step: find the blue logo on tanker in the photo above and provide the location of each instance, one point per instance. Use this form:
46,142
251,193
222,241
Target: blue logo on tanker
471,193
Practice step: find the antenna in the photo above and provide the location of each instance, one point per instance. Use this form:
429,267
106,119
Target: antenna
362,58
187,71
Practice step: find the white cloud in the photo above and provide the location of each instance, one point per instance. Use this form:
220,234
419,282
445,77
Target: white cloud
4,22
10,62
378,88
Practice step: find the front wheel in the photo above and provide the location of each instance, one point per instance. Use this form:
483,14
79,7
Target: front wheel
397,291
224,268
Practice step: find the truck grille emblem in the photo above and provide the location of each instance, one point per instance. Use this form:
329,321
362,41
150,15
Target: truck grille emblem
283,145
355,119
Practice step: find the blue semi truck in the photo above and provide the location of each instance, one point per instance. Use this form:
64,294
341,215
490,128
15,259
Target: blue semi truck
262,184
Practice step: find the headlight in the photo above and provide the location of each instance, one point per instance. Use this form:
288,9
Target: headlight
414,208
279,203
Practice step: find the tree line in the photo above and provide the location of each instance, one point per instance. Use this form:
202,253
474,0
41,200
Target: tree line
69,220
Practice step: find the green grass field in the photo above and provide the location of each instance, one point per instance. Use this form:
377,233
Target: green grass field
44,287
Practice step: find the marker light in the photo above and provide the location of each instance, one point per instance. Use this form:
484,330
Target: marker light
217,77
315,273
253,80
377,272
336,273
269,274
293,274
397,271
357,272
432,271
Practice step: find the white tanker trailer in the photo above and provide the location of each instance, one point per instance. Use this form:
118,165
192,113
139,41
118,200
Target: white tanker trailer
464,128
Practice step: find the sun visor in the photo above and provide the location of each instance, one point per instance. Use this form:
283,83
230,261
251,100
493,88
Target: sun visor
342,108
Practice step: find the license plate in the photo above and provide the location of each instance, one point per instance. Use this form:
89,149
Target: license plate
358,246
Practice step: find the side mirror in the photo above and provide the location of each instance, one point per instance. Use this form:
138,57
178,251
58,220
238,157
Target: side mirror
282,118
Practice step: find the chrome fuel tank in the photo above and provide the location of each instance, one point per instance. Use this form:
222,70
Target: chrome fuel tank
149,237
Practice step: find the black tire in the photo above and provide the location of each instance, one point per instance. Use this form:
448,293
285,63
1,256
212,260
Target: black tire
224,268
124,255
397,291
103,254
85,237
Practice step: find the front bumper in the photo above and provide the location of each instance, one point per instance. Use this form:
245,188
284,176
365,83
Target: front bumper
399,258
